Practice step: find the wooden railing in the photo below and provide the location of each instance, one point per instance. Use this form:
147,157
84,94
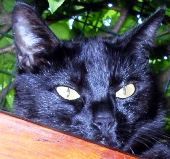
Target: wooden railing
21,139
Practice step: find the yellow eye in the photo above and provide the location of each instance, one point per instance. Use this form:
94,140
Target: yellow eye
67,93
126,91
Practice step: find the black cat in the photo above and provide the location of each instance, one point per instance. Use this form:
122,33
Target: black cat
97,88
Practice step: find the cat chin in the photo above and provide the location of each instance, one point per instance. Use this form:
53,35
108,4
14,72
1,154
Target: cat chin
106,142
92,134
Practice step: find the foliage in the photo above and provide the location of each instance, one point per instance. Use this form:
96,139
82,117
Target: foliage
69,19
54,4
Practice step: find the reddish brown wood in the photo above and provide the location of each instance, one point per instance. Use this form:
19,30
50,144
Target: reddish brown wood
20,139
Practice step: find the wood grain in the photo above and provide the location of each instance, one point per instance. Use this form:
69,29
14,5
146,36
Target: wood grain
20,139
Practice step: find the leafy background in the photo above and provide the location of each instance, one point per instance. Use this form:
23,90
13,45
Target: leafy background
78,18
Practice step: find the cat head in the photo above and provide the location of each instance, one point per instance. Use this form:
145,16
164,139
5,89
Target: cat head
97,88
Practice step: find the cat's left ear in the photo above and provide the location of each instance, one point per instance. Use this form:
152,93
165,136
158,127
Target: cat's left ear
33,39
141,38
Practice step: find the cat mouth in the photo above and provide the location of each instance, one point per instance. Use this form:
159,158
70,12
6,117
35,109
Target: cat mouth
103,141
106,141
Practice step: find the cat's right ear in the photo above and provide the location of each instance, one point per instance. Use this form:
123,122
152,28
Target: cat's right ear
33,39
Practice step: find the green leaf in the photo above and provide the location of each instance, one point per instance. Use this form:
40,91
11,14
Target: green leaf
5,41
61,30
10,100
129,23
168,11
54,5
8,5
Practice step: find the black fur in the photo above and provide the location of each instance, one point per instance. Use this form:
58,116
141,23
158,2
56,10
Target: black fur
96,68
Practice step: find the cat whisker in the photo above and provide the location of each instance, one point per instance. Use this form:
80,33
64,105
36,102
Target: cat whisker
132,151
144,139
147,138
157,132
141,142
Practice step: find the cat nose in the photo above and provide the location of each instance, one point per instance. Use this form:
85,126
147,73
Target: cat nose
104,123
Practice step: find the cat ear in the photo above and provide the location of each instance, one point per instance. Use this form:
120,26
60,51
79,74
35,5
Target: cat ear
141,38
33,39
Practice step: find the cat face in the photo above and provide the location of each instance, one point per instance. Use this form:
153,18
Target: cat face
96,88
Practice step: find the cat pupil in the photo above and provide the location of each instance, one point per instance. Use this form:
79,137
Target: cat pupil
124,90
68,92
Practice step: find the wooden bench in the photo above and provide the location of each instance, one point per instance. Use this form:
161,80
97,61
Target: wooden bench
21,139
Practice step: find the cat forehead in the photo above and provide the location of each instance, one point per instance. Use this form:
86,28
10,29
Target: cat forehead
93,49
94,55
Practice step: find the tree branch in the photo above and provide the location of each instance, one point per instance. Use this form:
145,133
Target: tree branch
86,7
7,73
4,93
123,16
163,34
8,49
101,29
5,21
